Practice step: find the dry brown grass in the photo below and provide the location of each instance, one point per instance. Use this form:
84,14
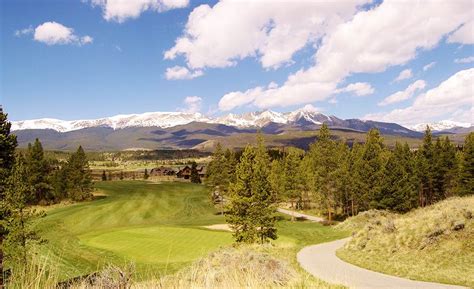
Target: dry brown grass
435,243
248,266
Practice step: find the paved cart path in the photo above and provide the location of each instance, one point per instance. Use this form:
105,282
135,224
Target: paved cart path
321,261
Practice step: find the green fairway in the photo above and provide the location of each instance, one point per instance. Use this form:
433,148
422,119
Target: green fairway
159,227
151,245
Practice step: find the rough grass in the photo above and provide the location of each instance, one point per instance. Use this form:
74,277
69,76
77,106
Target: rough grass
247,266
435,243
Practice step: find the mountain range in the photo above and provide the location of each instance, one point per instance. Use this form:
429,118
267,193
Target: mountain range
154,130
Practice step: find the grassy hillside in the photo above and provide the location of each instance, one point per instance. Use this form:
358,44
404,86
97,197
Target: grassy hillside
435,243
158,227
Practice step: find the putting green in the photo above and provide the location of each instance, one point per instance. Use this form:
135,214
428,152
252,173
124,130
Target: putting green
151,245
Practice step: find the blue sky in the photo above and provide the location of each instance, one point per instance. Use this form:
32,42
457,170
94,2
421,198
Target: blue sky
236,57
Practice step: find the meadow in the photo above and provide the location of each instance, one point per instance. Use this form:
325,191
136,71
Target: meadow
159,227
435,243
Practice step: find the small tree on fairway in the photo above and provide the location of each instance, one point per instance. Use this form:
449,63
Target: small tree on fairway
252,205
146,175
38,171
104,176
195,178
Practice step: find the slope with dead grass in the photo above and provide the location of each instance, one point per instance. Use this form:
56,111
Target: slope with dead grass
435,243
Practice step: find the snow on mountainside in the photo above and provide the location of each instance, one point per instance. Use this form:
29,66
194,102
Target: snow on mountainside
159,119
440,126
307,114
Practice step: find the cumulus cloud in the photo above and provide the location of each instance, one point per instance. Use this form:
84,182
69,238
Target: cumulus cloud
358,88
272,31
452,96
429,66
387,35
464,60
192,104
122,10
54,33
464,35
180,72
404,74
404,94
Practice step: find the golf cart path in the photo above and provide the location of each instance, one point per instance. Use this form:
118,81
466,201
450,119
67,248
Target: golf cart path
300,215
321,261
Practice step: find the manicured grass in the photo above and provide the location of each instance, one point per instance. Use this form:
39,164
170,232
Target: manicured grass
158,227
435,243
149,224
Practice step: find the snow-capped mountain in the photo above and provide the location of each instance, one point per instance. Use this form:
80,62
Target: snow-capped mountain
441,125
148,119
169,119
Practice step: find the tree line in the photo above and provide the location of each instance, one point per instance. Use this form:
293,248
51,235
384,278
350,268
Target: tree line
26,179
341,180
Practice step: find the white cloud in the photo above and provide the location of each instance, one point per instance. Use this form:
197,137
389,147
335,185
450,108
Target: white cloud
180,72
464,60
53,33
429,66
122,10
271,31
404,74
452,96
404,94
192,104
465,33
389,34
24,31
358,88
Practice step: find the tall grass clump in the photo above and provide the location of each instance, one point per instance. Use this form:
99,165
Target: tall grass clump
434,243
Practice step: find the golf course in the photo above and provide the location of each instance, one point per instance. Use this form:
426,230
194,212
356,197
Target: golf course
157,227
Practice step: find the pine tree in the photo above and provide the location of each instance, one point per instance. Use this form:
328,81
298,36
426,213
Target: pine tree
38,171
357,182
218,171
292,178
145,175
195,178
104,176
252,203
8,144
19,223
399,186
466,171
323,165
373,160
78,176
425,162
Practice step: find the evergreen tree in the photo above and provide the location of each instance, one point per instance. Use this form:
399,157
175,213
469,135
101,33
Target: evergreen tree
466,172
252,204
19,223
145,175
38,171
373,159
218,171
323,165
8,144
78,176
357,183
292,179
277,180
195,178
425,160
121,175
104,176
399,186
